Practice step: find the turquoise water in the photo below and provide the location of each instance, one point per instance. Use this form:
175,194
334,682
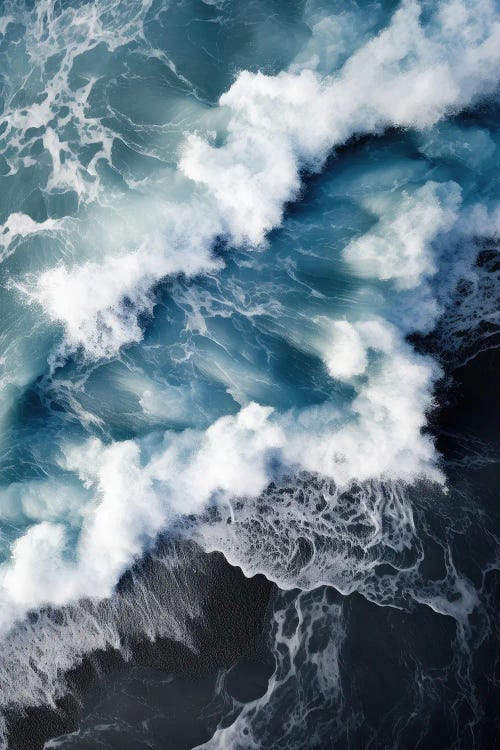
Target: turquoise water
221,222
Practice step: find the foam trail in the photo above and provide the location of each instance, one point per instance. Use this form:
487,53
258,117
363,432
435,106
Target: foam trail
258,720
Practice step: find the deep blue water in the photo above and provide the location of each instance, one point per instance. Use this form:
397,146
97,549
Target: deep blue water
249,295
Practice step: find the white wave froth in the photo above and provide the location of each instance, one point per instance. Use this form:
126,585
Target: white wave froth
410,75
278,125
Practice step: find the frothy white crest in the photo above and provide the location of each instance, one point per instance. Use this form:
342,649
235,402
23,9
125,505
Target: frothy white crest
278,125
378,437
400,245
99,303
257,170
347,356
407,76
133,502
381,435
410,75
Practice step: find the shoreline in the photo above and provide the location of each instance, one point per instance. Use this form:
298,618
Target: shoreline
468,407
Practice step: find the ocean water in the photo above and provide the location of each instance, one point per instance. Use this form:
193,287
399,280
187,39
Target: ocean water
249,416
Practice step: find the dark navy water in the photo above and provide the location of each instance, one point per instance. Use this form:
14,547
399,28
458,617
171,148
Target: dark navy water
248,348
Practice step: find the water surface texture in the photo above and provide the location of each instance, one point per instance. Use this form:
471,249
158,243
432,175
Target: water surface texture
249,306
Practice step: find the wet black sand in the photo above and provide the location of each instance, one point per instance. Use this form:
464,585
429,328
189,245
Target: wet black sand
143,689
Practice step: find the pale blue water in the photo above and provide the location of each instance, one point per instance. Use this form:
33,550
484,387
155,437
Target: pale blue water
228,318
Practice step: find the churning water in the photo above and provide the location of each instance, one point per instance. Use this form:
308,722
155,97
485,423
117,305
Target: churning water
248,250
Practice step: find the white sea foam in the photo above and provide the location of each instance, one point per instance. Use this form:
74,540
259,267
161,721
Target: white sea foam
410,75
366,450
278,125
295,626
19,225
347,355
378,436
99,303
400,246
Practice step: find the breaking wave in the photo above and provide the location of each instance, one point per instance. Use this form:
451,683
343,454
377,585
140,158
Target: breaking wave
218,272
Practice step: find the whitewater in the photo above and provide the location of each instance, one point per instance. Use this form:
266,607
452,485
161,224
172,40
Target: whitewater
244,249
